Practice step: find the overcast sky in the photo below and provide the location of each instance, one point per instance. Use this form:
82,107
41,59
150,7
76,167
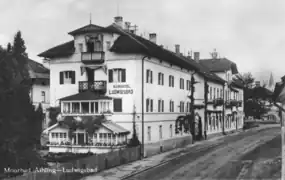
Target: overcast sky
248,32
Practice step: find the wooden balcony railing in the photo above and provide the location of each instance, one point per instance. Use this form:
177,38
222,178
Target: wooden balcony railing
93,57
96,86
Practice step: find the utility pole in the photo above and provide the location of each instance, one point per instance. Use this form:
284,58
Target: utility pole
192,110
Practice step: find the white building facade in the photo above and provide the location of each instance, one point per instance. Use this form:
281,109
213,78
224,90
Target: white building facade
111,71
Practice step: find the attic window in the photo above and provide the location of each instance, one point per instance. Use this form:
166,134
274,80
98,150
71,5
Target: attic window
160,61
170,65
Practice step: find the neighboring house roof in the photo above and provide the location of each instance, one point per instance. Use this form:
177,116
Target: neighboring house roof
62,50
87,95
37,70
237,83
220,65
92,28
115,128
279,87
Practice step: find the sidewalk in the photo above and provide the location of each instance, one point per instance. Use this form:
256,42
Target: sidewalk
125,170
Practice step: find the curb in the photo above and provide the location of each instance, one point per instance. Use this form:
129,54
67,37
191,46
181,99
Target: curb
201,142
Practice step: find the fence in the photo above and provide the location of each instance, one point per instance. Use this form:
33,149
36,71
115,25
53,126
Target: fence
82,167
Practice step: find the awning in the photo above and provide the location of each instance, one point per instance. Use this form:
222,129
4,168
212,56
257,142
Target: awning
115,128
85,96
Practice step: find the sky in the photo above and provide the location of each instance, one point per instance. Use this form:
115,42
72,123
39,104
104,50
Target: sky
249,32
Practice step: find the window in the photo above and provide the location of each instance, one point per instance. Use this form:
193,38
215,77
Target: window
149,105
181,83
171,106
43,96
117,75
171,81
160,79
160,131
148,76
214,92
210,93
221,92
188,85
181,106
108,45
118,105
188,107
170,130
149,133
160,105
67,77
80,47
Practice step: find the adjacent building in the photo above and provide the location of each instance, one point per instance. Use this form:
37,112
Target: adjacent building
40,86
133,82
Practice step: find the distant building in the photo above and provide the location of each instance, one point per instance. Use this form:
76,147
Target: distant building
40,86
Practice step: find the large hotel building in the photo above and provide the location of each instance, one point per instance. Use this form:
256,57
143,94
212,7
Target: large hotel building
128,78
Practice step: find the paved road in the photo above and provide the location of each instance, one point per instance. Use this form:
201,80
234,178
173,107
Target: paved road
252,154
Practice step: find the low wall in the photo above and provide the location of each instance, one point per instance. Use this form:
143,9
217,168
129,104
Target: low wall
166,145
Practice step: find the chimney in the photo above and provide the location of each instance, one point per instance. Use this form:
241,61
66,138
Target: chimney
177,49
152,37
119,21
197,56
127,25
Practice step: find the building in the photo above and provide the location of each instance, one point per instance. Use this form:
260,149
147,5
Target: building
131,80
233,91
40,86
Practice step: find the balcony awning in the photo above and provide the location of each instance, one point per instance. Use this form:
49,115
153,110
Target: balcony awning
85,96
115,128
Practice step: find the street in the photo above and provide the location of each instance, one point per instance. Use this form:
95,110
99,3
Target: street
253,154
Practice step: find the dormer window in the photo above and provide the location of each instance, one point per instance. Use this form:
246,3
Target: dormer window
80,47
94,43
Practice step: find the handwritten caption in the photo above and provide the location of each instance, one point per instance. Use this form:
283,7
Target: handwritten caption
51,170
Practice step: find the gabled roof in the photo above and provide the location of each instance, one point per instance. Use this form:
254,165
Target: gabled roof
82,96
37,70
279,87
62,50
237,83
220,65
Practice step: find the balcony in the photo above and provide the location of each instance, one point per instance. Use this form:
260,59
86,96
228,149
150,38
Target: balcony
96,86
234,102
97,57
218,102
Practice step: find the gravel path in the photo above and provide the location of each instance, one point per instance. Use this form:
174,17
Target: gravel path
222,159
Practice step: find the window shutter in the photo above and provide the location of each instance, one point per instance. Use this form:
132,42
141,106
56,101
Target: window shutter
162,79
150,77
123,75
147,105
61,78
170,81
158,79
110,74
117,105
147,75
158,106
162,106
72,77
151,105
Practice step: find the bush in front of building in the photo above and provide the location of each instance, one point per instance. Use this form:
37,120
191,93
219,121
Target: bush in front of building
65,157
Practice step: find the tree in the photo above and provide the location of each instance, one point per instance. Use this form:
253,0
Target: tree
19,47
254,97
9,47
246,78
17,114
53,113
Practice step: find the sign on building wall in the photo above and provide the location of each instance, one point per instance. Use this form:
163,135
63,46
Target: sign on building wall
121,89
